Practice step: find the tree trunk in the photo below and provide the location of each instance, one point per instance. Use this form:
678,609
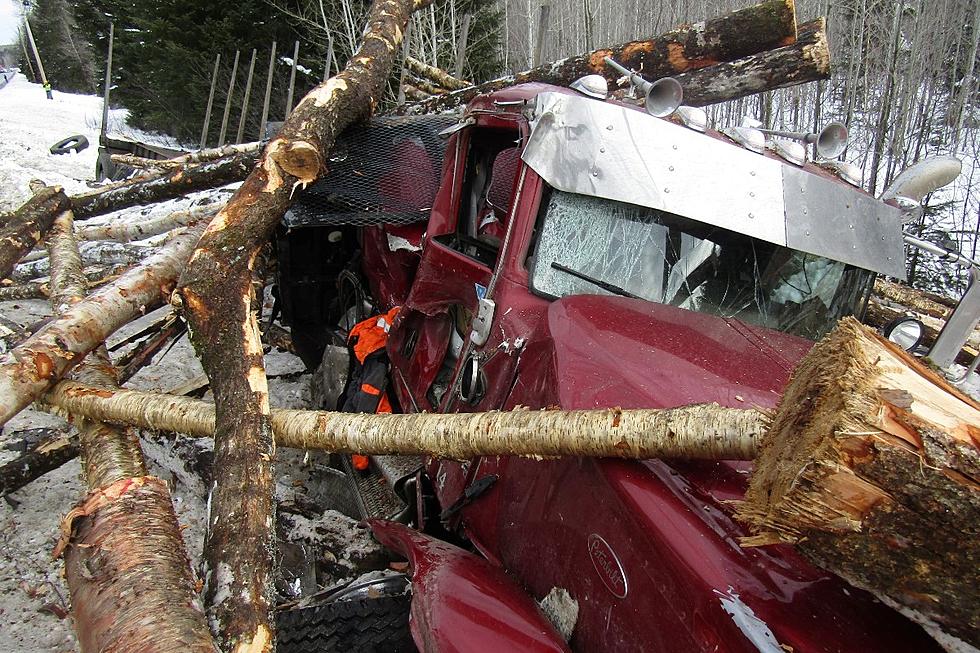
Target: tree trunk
95,277
436,76
124,231
705,431
130,580
96,254
806,60
725,38
870,468
218,299
917,300
38,362
41,455
22,231
175,183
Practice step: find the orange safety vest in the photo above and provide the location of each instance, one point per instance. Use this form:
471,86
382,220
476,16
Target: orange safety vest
368,377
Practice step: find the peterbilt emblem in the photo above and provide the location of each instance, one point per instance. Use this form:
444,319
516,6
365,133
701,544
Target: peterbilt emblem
608,567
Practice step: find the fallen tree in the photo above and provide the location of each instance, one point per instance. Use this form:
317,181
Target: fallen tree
707,431
218,300
736,35
434,75
28,224
871,469
128,574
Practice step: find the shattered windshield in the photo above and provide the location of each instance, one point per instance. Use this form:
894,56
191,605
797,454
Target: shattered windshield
590,245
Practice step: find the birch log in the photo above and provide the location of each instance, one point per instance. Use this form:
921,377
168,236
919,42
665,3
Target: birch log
436,76
126,230
175,183
218,299
39,361
871,469
726,38
128,574
705,431
28,225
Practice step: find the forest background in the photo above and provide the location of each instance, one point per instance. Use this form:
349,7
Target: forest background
903,81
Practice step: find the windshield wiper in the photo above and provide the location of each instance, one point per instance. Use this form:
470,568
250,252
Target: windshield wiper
605,285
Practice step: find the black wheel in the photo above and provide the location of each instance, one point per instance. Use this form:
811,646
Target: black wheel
75,143
378,625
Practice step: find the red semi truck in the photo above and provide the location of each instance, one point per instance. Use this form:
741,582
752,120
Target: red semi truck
552,249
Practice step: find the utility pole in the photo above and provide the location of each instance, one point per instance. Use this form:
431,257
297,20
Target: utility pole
37,57
108,82
207,111
248,91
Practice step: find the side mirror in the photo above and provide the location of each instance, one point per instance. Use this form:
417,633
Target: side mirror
906,332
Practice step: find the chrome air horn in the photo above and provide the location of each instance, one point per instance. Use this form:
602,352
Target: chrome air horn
662,96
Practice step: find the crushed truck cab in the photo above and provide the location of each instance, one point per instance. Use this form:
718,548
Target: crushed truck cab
555,250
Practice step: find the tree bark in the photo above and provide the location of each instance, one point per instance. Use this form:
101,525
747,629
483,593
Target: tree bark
705,431
28,225
870,468
218,299
805,60
38,362
40,456
95,277
917,300
436,76
97,254
175,183
124,231
726,38
127,572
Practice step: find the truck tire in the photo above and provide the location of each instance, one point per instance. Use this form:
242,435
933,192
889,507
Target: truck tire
75,143
374,625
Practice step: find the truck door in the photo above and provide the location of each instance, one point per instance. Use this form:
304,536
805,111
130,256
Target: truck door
431,339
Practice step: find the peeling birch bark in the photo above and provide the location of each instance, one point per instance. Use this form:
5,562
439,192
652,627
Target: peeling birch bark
218,300
871,469
95,277
128,574
39,361
126,230
728,37
175,183
706,431
99,253
27,226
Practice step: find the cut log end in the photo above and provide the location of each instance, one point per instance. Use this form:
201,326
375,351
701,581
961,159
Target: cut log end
871,468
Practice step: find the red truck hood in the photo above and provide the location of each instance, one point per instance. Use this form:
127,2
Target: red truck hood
616,351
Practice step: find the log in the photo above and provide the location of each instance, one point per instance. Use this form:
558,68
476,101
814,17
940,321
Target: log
728,37
871,469
95,277
806,60
124,231
426,86
707,431
28,225
219,303
129,577
142,163
44,450
184,179
38,362
437,76
920,301
101,254
200,156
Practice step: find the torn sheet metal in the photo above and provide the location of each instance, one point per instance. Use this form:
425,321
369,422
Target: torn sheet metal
594,148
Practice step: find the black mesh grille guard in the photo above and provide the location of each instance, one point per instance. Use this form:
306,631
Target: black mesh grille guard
384,171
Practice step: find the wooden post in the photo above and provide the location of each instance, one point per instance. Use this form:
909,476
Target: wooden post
292,80
108,81
464,33
268,92
248,91
231,91
405,48
27,57
543,16
207,111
